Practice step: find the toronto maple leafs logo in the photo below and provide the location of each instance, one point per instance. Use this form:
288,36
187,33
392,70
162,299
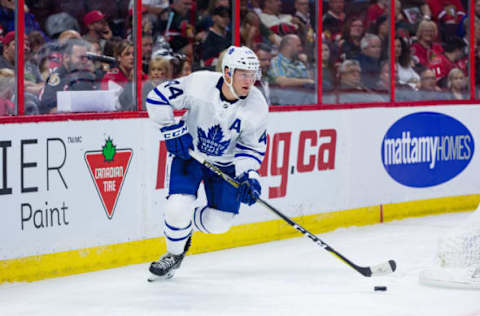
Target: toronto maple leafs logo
212,143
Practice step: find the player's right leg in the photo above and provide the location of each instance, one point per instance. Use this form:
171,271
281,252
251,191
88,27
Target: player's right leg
178,231
185,177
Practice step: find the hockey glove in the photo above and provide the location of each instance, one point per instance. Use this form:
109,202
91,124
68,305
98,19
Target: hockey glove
177,139
249,190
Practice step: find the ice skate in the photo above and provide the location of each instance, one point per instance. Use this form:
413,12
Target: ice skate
164,268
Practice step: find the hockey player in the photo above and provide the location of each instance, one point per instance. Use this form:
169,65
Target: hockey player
226,121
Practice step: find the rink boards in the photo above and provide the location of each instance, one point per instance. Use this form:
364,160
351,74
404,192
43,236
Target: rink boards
79,196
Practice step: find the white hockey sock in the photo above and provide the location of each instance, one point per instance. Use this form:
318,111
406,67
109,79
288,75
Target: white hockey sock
177,237
210,220
178,222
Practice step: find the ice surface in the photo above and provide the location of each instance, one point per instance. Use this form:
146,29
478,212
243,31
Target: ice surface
289,277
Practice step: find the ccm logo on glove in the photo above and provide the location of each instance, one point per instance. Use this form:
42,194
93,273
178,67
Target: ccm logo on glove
177,139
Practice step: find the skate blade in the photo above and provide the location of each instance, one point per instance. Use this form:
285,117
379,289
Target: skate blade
156,278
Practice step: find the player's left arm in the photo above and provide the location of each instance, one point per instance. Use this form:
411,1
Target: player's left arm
252,142
250,149
249,153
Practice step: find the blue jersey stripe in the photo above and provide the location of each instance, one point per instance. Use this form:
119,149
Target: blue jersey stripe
249,156
151,101
248,148
161,96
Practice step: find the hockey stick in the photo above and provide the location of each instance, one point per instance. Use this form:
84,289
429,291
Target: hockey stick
380,269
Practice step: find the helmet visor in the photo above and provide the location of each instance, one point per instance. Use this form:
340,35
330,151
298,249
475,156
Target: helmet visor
249,74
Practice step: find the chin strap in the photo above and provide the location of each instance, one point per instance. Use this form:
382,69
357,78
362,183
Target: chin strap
230,86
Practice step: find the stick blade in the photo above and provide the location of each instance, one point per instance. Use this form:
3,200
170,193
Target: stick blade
384,268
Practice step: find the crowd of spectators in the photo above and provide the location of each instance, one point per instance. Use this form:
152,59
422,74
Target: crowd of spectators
82,45
431,49
75,47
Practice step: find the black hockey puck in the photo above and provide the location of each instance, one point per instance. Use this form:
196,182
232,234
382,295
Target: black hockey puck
380,288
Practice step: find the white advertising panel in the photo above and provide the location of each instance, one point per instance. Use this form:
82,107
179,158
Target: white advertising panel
79,184
70,185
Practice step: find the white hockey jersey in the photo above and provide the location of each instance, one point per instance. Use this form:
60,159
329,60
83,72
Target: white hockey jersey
226,132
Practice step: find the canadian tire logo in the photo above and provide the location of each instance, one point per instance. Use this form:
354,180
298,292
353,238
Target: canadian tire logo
108,168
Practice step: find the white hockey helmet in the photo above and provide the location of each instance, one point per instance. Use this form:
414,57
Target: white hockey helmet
239,58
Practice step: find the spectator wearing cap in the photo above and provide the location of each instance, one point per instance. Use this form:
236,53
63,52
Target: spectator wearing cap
33,78
7,59
98,29
452,57
75,73
217,38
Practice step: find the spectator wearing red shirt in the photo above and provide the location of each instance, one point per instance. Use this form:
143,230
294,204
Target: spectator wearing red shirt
453,57
275,20
122,74
446,11
426,47
375,11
